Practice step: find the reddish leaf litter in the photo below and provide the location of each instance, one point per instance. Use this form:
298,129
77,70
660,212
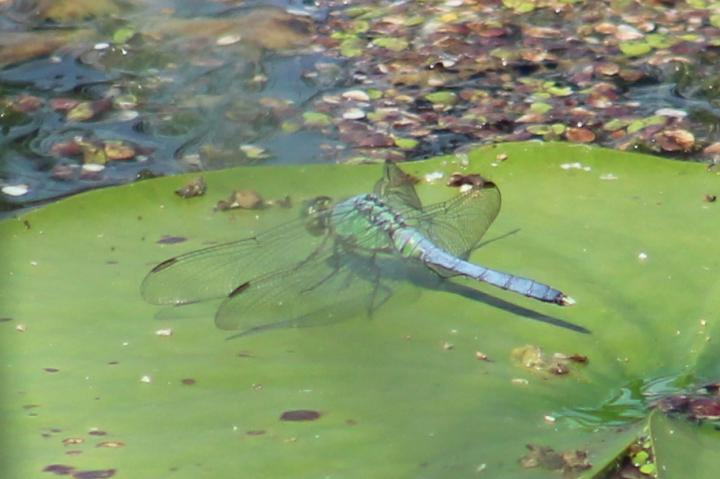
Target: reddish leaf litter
628,75
701,405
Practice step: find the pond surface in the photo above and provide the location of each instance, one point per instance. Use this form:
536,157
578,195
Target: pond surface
105,92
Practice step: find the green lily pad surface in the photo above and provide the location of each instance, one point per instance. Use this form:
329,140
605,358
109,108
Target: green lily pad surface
483,384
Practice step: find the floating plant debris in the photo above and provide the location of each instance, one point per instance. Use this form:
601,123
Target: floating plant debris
196,187
243,199
558,364
111,444
571,461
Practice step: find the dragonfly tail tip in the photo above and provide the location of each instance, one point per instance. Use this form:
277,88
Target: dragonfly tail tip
566,300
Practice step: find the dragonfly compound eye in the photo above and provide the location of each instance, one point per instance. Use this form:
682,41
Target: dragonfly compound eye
316,213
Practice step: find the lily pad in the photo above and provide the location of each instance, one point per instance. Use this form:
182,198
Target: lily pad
442,97
316,119
635,48
394,44
430,386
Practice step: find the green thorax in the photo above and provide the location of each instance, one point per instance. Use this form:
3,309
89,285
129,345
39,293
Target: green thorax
367,222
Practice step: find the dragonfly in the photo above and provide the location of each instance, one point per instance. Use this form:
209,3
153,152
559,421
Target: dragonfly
339,256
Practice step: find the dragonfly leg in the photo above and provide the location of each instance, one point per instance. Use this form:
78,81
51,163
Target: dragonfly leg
336,263
378,288
315,253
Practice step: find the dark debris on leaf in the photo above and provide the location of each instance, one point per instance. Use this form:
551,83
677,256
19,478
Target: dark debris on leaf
95,474
300,415
196,187
168,239
59,469
545,457
243,199
695,407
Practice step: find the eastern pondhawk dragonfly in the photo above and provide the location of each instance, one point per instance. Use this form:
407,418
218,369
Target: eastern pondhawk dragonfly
339,256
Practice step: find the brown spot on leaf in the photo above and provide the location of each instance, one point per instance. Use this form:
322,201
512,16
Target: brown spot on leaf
167,239
59,469
710,198
578,358
188,381
97,432
300,415
51,370
255,432
96,474
69,441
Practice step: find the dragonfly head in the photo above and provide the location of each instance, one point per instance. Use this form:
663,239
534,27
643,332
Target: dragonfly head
316,213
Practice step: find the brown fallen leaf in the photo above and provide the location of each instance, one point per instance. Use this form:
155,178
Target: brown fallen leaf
243,199
196,187
579,135
675,140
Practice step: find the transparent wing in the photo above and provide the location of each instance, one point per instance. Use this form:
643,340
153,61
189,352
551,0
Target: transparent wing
397,188
331,288
215,271
458,224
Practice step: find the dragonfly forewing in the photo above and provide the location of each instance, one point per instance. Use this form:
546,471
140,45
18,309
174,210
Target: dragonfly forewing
332,287
216,271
